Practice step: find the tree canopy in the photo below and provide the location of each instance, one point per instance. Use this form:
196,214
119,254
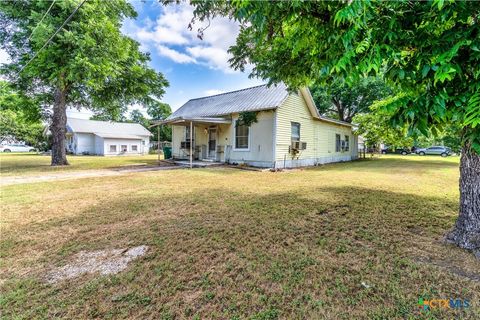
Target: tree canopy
341,100
19,117
428,51
89,63
375,128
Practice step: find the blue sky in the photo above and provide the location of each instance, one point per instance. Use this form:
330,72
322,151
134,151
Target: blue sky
194,67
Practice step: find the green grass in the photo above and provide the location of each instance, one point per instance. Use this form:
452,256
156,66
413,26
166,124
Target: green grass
234,244
12,164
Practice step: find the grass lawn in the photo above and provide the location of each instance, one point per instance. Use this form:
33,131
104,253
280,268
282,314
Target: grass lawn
233,244
33,164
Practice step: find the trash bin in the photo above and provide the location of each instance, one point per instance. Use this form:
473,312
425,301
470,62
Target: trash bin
167,152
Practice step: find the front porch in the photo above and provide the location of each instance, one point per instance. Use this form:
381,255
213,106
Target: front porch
200,141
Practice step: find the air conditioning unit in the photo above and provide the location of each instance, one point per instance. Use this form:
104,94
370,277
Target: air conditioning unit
298,145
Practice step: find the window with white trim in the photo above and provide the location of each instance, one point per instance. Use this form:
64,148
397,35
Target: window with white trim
242,133
347,143
113,148
134,147
295,131
123,148
338,143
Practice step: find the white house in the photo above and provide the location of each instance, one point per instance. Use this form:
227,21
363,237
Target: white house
289,131
106,138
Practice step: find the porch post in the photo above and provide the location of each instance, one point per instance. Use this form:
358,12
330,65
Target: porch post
158,141
191,144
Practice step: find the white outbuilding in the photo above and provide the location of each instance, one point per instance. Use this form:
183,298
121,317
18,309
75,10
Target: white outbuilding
106,138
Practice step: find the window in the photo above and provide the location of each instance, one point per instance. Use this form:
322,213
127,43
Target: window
241,136
134,147
187,133
347,143
295,131
338,143
113,148
123,148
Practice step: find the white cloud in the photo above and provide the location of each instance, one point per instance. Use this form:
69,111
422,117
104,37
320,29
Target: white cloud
214,58
213,92
4,57
171,29
174,55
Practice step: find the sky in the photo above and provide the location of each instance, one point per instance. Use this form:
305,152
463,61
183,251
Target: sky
193,67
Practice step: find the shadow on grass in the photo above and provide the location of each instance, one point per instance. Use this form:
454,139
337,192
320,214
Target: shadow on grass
393,165
219,254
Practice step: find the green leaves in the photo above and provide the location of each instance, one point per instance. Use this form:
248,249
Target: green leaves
99,67
472,114
428,50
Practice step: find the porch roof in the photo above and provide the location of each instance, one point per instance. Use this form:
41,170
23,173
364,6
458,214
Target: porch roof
196,120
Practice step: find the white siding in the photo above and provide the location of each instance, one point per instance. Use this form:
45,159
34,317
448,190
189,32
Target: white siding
259,153
85,143
270,138
319,136
141,148
99,146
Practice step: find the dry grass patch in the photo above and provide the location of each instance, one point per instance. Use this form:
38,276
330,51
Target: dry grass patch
232,244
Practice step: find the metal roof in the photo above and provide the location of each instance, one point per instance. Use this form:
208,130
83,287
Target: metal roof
250,99
187,120
119,136
112,129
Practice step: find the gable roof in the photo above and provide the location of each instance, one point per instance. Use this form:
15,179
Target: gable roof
249,99
106,128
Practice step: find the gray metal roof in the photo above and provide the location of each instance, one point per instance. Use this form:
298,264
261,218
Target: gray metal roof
250,99
112,129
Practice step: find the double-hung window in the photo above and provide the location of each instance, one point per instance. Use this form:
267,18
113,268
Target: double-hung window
338,143
347,143
187,133
295,131
242,133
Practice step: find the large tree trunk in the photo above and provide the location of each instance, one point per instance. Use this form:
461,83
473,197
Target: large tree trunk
466,233
58,128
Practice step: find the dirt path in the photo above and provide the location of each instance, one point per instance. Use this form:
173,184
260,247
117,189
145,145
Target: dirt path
6,181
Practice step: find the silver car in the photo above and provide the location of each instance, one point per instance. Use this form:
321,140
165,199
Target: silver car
437,150
16,148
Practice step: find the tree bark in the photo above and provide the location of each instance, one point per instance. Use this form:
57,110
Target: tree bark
466,233
58,128
339,108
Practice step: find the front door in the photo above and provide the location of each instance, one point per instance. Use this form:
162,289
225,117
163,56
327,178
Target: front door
212,142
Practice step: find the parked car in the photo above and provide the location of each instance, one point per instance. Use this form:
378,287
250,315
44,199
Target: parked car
16,148
402,151
436,150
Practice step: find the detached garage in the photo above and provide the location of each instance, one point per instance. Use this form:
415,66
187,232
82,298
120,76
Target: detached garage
106,138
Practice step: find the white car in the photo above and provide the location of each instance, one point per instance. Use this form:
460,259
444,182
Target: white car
16,148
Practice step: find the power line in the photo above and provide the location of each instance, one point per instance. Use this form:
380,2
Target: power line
50,39
41,20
